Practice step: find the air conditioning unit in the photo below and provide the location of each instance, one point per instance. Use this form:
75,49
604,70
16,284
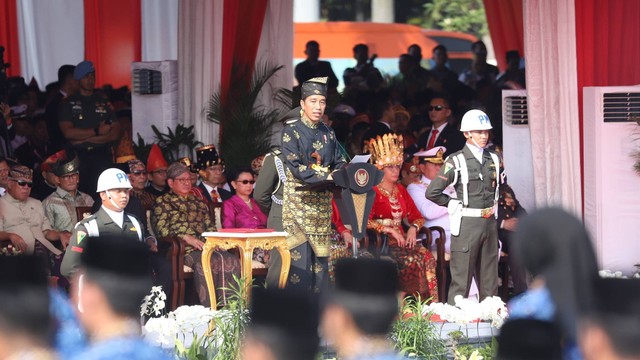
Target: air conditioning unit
516,143
154,99
611,196
514,107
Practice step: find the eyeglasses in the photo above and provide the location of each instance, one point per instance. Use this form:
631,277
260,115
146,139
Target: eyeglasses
245,182
23,182
437,108
69,176
138,173
184,181
161,172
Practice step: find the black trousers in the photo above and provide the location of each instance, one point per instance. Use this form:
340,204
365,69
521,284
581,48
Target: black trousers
93,161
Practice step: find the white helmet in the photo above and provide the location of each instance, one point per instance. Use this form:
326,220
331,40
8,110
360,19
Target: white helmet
113,178
475,120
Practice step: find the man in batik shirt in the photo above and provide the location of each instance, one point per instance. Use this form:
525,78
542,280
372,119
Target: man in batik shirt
179,213
138,179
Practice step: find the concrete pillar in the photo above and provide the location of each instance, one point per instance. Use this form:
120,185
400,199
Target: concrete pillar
306,10
382,11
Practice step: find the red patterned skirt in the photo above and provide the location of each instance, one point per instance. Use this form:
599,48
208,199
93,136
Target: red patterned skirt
416,271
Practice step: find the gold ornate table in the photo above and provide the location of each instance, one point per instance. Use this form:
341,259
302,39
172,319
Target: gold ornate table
245,242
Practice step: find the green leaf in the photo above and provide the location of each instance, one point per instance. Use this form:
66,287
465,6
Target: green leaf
246,126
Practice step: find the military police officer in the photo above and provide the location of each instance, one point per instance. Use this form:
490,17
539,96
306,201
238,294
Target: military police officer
88,122
110,220
475,173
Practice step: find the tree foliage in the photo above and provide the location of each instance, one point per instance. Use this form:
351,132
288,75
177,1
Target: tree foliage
454,15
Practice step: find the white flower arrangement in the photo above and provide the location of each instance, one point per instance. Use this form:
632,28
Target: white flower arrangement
611,274
195,332
465,311
154,303
176,325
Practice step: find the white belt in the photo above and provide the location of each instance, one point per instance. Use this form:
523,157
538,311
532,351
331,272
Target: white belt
484,213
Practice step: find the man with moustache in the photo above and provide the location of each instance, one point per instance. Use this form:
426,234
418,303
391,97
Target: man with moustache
312,154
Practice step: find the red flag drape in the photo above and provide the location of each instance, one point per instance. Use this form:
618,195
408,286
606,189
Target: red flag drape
505,19
112,39
9,35
242,27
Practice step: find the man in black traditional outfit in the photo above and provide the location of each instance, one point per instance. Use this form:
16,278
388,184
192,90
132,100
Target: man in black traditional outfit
311,152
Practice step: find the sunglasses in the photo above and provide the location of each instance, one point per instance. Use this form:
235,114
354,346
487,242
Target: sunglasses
437,108
23,183
139,173
245,182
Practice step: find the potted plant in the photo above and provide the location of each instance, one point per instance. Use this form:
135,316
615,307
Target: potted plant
246,127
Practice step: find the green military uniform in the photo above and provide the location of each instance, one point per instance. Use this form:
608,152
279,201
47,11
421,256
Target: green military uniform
98,224
475,249
268,193
269,188
88,112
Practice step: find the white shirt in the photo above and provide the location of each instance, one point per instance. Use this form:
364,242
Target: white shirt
210,189
116,216
433,214
439,128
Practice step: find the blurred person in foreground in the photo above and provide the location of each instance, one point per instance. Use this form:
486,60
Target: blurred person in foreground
284,326
529,339
113,279
555,248
361,309
25,323
610,331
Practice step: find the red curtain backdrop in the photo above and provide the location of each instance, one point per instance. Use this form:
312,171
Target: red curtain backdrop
505,20
9,35
607,46
112,39
242,27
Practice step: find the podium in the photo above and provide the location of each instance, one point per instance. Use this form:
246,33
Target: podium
352,188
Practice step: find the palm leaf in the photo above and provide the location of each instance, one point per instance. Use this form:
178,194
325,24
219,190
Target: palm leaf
246,127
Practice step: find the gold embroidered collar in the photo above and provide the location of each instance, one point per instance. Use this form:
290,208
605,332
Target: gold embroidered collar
309,123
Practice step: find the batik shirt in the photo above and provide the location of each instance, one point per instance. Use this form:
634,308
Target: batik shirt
146,198
175,215
60,208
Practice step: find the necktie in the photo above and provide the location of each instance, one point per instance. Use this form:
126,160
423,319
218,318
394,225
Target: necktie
432,139
215,197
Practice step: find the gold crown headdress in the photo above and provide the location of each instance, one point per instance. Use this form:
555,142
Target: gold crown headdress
386,150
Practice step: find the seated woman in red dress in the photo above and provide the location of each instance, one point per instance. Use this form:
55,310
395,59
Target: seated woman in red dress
392,205
241,211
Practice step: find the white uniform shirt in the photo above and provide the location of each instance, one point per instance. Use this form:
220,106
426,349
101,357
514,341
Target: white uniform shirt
433,214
